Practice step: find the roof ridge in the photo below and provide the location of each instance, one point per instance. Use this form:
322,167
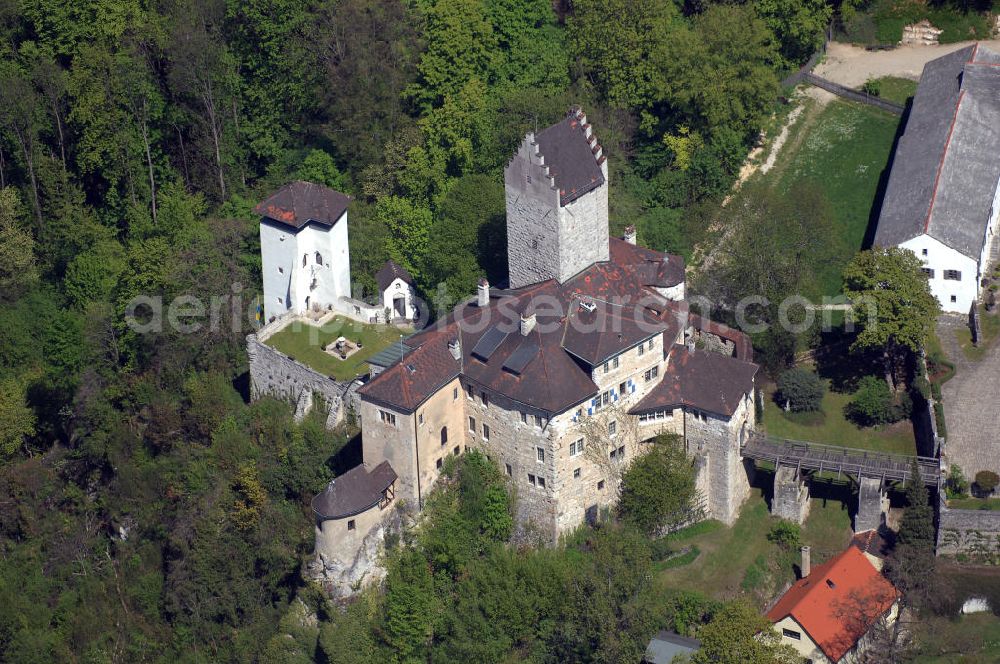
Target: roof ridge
944,156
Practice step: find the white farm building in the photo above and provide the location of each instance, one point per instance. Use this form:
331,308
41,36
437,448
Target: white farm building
943,197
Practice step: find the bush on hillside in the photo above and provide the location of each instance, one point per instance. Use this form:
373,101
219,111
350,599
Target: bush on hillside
800,390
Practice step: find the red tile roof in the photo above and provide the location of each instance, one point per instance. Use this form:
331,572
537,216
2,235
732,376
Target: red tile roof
601,312
838,603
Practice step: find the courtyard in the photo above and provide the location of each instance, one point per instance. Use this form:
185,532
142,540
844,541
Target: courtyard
308,343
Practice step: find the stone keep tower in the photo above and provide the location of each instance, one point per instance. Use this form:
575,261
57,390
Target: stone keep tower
557,203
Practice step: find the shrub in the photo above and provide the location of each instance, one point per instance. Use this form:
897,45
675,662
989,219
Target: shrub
986,481
872,87
956,485
801,390
873,403
786,534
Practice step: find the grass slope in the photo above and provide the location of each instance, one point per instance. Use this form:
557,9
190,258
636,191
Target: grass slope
832,428
733,561
305,343
842,147
895,89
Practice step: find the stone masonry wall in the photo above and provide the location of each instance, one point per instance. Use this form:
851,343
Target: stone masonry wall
719,440
975,533
275,374
532,217
346,559
791,495
514,443
583,227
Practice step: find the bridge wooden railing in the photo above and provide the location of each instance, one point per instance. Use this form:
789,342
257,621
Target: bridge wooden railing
842,460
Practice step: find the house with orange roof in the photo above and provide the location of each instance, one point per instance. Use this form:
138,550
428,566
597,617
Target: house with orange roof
831,614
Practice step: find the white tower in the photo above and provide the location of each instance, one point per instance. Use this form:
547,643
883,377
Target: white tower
305,257
557,203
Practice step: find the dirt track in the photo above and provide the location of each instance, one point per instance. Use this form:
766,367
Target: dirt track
853,65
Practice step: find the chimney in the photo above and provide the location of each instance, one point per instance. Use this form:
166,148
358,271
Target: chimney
806,567
455,346
629,235
527,323
483,293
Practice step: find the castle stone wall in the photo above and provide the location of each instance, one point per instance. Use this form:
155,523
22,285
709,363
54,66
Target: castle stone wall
791,495
975,533
719,440
584,231
272,373
873,505
532,217
345,558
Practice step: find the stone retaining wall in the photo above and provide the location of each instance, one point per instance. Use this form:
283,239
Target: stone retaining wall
975,533
272,373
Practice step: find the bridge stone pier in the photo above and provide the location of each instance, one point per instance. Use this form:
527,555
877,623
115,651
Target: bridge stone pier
873,504
791,495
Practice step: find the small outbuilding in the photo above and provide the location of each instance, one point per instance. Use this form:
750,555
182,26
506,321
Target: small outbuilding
665,646
397,292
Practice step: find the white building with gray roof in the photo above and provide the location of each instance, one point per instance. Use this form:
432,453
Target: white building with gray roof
943,197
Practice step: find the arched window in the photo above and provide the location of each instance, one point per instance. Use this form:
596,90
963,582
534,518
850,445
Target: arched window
319,258
304,257
444,435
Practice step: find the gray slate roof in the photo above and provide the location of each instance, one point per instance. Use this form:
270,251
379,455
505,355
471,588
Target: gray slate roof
569,154
299,203
353,492
389,273
665,646
947,163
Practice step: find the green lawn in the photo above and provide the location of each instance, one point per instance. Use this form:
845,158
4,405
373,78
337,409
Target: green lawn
973,639
895,89
842,148
305,342
833,428
975,504
740,559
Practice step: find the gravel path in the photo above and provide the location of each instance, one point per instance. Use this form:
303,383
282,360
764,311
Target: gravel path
853,65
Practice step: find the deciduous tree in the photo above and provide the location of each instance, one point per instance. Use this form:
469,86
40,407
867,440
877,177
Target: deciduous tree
892,302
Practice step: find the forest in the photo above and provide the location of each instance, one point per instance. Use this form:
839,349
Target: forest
148,511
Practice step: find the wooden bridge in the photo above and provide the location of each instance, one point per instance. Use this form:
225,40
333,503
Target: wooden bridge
842,460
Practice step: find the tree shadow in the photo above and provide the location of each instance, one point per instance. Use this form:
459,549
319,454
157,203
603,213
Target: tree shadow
843,368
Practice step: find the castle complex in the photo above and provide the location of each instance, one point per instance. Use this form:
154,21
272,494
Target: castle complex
562,378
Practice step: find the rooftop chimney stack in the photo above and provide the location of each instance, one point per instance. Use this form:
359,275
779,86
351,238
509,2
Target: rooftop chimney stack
806,567
483,293
455,346
629,235
527,324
